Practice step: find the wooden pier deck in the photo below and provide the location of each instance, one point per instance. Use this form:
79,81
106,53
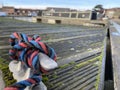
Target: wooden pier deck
81,59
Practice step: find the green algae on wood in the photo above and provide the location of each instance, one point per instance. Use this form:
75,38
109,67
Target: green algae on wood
44,78
7,75
87,62
100,64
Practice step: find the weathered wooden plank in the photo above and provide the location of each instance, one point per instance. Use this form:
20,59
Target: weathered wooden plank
2,84
115,47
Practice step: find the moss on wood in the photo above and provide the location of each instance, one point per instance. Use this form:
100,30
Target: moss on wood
100,64
87,62
44,78
7,75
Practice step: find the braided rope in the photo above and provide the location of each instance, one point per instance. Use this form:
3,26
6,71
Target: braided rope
26,49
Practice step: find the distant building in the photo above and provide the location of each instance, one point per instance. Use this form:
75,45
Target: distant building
55,9
49,10
113,13
73,10
0,9
85,15
69,13
9,10
109,13
26,12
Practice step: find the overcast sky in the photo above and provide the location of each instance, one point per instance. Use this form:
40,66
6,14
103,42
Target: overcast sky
77,4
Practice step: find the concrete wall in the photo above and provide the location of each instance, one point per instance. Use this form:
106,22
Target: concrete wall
71,21
62,20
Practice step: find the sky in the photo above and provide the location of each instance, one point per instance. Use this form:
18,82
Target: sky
73,4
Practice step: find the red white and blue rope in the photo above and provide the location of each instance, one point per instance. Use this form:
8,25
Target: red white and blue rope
26,49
